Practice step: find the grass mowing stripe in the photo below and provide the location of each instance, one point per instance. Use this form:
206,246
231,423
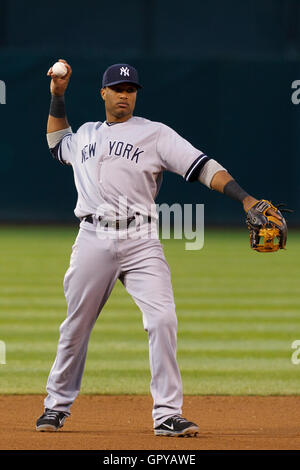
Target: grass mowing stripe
243,334
187,315
109,332
199,307
188,321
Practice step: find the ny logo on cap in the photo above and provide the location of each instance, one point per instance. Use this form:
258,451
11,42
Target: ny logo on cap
124,71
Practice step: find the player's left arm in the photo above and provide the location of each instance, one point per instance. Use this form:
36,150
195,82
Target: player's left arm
260,213
224,183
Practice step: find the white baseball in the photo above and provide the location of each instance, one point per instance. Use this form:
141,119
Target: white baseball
59,69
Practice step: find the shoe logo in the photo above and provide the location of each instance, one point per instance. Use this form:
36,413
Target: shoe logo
169,427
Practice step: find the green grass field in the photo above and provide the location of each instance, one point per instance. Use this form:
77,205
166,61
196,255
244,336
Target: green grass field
238,314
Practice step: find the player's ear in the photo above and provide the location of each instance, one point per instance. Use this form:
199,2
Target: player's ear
103,93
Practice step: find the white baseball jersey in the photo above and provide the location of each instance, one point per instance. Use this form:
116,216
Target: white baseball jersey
125,160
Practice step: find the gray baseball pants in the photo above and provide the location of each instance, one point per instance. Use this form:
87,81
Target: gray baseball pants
95,265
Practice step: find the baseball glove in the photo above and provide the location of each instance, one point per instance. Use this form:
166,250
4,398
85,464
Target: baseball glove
273,230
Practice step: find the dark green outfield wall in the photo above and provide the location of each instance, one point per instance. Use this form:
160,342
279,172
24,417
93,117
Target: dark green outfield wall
221,77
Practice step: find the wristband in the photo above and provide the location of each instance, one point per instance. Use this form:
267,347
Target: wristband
57,106
233,190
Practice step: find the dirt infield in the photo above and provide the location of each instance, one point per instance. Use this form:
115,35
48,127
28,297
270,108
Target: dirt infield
125,423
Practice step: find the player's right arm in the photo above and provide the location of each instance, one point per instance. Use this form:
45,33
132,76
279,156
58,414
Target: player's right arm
61,140
57,119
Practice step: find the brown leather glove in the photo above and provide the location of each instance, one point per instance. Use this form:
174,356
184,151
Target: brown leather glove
266,226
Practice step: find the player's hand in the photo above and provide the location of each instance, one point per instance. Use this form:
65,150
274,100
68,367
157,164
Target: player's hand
250,201
58,85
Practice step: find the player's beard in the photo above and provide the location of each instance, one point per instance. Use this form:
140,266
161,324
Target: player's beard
121,113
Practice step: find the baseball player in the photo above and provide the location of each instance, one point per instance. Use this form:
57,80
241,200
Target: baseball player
123,158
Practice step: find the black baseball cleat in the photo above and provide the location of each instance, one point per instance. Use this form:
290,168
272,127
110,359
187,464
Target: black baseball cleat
176,426
51,420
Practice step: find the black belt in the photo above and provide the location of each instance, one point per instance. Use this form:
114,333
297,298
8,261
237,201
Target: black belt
118,223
